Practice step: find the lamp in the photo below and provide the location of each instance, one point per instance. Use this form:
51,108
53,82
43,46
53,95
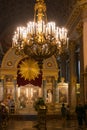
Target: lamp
40,39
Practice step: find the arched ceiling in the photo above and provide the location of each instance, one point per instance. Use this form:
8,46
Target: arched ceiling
18,12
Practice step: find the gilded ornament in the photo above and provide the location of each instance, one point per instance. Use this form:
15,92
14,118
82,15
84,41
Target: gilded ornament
9,63
29,69
49,64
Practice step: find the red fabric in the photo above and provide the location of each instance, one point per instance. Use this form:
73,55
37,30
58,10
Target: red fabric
37,82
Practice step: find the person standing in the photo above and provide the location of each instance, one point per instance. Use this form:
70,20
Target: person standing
68,116
85,113
67,112
80,114
63,114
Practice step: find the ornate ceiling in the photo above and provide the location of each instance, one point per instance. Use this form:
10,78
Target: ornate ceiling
18,12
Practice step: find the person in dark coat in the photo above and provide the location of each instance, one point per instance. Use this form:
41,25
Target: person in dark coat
67,112
63,114
85,113
80,114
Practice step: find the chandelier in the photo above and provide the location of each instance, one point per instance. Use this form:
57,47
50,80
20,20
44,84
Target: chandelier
40,39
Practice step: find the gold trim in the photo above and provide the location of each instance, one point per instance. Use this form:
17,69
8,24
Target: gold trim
9,63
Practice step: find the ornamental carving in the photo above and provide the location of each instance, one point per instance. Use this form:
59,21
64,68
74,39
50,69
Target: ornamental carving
75,20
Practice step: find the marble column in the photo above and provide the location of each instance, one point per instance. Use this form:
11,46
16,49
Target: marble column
55,92
84,73
72,86
15,89
63,65
44,92
3,88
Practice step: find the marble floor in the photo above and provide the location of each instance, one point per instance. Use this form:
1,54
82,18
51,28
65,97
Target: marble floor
23,121
54,124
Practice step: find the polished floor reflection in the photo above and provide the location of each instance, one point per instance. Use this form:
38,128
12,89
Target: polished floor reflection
54,124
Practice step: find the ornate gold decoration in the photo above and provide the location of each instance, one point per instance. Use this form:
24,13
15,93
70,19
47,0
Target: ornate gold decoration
49,64
79,28
82,4
29,69
9,63
76,14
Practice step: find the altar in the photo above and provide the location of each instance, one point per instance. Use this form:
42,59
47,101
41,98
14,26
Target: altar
26,96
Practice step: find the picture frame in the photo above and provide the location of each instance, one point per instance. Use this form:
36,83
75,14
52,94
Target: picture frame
63,92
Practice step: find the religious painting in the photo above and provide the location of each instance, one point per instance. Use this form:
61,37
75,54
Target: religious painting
63,93
49,96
